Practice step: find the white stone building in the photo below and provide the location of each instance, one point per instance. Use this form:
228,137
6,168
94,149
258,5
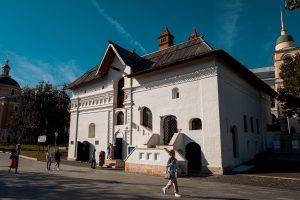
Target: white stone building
189,97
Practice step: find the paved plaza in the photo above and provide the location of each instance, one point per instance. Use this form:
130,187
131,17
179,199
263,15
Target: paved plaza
81,182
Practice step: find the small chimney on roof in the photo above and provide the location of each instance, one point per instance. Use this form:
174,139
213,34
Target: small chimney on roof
165,40
194,34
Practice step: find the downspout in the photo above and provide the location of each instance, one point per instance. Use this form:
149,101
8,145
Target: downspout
131,109
76,132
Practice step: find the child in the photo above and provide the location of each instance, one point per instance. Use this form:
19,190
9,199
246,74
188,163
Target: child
57,156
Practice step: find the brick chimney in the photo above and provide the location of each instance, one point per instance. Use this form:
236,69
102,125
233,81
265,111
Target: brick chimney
165,40
194,34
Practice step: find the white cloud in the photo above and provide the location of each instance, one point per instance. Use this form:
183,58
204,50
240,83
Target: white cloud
228,19
132,41
29,71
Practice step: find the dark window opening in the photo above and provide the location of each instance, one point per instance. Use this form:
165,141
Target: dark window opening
245,124
196,124
251,123
120,118
147,118
120,102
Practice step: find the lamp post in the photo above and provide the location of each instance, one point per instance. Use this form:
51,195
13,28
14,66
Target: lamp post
56,134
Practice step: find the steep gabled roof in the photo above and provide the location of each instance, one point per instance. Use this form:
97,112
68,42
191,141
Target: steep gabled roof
181,53
174,54
130,58
86,77
126,57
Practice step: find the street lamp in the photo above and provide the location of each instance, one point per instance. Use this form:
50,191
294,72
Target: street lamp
56,134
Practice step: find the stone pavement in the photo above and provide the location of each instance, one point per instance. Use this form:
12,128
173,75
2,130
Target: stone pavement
82,182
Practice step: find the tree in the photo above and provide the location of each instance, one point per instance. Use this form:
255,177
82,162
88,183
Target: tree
291,4
290,93
42,110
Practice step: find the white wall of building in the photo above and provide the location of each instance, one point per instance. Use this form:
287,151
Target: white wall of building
198,98
239,97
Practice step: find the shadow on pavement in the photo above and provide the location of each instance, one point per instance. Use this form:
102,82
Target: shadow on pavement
50,186
275,163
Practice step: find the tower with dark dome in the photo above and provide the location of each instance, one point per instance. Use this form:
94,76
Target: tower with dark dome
9,90
285,47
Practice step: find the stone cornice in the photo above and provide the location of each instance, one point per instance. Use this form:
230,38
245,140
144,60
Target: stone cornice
179,79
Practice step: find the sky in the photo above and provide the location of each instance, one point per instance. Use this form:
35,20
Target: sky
59,40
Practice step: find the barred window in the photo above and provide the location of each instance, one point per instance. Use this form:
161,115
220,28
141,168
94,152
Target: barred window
195,124
245,123
92,130
120,118
147,118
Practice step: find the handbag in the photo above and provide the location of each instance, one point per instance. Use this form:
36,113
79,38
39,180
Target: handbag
168,175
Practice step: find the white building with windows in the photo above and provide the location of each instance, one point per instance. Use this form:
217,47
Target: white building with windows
189,97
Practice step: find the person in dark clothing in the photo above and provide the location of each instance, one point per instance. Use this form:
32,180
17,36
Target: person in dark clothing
57,156
93,164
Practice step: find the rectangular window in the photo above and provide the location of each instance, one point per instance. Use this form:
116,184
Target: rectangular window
149,156
257,126
251,123
156,156
245,124
141,156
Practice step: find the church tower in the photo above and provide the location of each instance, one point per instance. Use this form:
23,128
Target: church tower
166,39
285,47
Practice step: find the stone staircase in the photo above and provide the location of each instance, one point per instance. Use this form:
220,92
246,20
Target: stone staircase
116,164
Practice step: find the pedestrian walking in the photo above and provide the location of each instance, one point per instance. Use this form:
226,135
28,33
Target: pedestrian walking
108,151
101,158
111,151
15,158
93,164
49,155
172,169
57,156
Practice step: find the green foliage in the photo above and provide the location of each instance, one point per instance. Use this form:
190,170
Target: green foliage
42,110
290,93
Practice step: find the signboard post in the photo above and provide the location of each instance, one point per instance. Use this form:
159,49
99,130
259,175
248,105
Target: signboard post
42,139
56,134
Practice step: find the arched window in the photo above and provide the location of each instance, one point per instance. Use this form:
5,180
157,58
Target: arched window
91,130
287,57
120,99
195,124
147,118
120,118
175,93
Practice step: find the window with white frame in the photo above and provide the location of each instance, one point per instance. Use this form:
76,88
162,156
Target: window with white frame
91,130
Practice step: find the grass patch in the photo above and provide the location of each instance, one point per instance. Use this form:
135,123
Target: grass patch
33,151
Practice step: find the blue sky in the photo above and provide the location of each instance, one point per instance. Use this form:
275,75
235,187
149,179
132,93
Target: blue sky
58,40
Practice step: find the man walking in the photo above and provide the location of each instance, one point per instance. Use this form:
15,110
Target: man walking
93,164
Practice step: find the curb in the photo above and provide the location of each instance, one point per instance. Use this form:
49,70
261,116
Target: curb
26,157
29,158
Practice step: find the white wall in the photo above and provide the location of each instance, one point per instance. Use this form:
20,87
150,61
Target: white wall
237,98
198,98
96,100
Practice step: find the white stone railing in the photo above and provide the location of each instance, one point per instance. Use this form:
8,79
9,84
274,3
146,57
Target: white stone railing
152,161
152,141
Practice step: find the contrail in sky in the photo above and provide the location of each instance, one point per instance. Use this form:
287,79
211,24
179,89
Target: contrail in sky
118,27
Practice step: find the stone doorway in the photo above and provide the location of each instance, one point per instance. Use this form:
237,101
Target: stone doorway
83,151
119,148
193,155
